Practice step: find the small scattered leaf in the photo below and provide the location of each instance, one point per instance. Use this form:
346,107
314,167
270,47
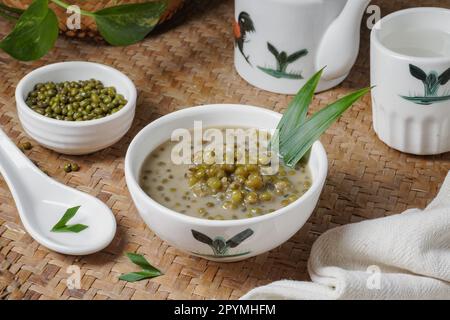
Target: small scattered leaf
141,262
148,271
35,33
61,225
129,23
138,276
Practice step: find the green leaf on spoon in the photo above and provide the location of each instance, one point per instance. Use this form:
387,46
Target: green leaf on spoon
34,34
129,23
61,225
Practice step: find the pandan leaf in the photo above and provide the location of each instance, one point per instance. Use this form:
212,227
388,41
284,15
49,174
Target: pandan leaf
418,73
142,262
75,228
61,225
303,137
129,23
148,271
34,34
138,276
297,111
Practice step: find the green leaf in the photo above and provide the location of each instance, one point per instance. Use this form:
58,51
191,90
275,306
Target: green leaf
129,23
35,33
304,136
142,262
75,228
138,276
297,110
62,226
70,213
148,271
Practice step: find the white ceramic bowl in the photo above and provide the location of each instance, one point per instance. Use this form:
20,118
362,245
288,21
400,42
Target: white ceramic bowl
76,138
267,232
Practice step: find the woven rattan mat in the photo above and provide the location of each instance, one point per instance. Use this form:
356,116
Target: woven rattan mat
188,65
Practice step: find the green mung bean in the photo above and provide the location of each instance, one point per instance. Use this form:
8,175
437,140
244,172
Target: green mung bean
75,100
26,146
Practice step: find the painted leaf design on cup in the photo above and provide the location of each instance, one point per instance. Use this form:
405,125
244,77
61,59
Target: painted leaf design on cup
432,82
445,77
283,60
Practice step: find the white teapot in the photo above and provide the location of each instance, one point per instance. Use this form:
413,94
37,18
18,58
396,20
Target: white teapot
279,44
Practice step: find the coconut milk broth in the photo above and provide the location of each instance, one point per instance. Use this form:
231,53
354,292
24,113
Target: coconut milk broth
167,184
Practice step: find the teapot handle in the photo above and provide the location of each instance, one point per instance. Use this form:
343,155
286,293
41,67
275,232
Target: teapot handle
339,47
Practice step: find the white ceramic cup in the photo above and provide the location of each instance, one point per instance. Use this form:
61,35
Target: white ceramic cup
265,232
410,67
279,44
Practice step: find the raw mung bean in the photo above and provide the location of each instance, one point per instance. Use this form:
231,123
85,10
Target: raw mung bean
26,146
74,100
68,167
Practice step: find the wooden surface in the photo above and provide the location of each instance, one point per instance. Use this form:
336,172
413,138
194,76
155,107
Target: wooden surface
189,65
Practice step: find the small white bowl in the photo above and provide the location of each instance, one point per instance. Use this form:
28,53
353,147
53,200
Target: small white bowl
267,232
70,137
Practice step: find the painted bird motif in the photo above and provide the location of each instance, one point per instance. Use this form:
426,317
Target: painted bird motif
241,28
219,245
432,81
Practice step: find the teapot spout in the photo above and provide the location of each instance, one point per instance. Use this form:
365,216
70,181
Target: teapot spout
339,47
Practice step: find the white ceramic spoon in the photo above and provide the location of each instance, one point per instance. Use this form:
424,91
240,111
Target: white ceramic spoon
42,201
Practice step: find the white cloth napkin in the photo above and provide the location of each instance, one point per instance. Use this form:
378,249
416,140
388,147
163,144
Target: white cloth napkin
405,256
